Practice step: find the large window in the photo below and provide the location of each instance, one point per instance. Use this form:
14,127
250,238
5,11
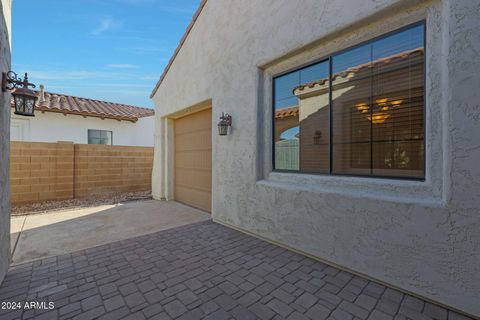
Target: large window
358,112
99,137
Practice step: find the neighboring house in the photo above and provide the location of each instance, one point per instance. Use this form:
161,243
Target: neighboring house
5,65
354,138
61,117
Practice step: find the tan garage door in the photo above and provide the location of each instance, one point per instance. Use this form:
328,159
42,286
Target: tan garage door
193,159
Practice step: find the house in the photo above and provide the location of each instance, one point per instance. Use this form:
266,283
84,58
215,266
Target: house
354,134
60,117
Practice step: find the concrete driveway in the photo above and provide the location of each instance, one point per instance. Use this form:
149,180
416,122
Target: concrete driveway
56,233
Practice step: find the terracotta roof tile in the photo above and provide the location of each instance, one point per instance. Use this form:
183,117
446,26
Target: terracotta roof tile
294,111
391,59
55,102
287,112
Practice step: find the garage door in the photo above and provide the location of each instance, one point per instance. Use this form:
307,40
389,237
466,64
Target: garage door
193,160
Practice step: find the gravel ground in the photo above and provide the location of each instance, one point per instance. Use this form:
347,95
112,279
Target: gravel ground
49,206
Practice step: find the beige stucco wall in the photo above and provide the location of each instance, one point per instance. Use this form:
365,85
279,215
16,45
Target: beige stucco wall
5,33
422,237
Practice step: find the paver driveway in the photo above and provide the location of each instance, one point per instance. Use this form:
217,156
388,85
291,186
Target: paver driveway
202,271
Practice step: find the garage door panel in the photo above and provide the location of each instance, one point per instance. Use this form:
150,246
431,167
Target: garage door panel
194,122
197,198
199,140
193,159
191,125
200,160
195,179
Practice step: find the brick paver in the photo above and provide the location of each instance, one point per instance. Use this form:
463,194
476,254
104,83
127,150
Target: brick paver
201,271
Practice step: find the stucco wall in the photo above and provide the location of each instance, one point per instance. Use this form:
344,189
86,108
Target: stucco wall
421,236
4,141
53,127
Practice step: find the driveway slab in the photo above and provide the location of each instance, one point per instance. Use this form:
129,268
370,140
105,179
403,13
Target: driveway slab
16,226
201,271
51,234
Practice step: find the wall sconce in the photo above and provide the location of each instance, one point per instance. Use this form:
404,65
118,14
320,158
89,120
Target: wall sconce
224,124
23,97
316,137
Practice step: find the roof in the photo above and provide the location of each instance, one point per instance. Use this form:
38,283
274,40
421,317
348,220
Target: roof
287,112
55,102
362,67
294,111
182,41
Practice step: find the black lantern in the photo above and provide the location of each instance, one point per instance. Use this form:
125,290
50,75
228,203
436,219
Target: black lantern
23,98
225,122
316,137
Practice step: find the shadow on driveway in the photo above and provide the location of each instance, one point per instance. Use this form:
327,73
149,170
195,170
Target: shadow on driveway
52,234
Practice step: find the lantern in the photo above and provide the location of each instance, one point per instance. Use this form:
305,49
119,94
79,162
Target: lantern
23,98
225,122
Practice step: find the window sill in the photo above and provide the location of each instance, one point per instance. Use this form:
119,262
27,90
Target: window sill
375,188
352,175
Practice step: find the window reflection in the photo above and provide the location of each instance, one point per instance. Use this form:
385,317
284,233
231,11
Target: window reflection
377,107
301,120
375,115
398,92
287,150
351,91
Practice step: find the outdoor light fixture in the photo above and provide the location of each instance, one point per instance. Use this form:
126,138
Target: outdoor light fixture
316,137
23,97
225,122
378,116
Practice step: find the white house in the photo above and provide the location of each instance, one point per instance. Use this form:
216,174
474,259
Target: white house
61,117
355,135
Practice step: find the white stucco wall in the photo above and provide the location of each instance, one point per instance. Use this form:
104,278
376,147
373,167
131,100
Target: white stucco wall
5,40
420,236
53,127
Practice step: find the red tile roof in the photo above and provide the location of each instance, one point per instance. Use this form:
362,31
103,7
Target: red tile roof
287,112
362,67
182,41
54,102
294,111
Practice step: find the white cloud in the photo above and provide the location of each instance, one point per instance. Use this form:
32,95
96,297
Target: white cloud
135,93
121,77
146,50
122,66
61,88
123,85
63,75
135,2
105,24
166,6
149,77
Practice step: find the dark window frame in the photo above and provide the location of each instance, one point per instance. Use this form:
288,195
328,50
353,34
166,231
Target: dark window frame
329,59
100,130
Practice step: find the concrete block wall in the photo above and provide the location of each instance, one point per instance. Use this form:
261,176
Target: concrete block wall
41,171
59,171
105,169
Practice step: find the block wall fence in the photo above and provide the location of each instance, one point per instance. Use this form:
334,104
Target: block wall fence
64,170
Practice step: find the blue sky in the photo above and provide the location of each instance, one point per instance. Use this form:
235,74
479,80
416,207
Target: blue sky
113,50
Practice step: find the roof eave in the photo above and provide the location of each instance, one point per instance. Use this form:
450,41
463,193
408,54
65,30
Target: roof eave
87,114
